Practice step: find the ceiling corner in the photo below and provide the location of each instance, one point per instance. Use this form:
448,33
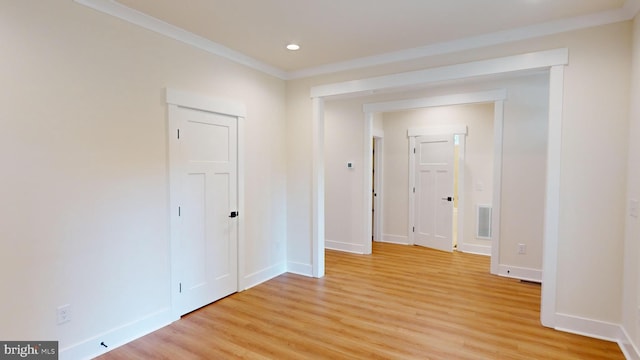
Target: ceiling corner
632,8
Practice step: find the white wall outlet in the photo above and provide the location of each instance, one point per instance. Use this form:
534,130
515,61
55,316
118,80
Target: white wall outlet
522,249
64,314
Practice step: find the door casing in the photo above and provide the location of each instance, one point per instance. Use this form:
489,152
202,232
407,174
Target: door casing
176,99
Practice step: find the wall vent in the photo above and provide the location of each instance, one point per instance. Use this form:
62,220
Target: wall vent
483,222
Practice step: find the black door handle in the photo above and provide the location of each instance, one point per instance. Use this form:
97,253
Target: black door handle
449,198
234,214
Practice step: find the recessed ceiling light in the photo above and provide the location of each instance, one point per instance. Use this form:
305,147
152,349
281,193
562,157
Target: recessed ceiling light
293,47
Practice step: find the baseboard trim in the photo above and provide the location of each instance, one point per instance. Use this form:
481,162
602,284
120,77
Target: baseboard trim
627,346
263,275
521,273
588,327
91,348
343,246
395,239
476,249
300,269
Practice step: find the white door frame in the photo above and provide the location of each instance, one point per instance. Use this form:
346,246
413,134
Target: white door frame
497,97
176,99
378,215
435,130
553,60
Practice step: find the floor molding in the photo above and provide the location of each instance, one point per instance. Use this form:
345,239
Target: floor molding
263,275
343,246
300,268
627,346
521,273
395,239
476,249
114,338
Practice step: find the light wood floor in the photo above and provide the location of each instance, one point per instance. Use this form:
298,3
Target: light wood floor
400,303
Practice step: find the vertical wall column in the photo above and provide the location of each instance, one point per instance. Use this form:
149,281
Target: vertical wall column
317,189
552,200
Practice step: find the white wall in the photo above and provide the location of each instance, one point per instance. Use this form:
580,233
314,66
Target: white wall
524,172
84,210
478,163
592,193
343,195
631,297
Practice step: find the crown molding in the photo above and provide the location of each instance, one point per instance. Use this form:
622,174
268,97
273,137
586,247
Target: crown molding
480,41
113,8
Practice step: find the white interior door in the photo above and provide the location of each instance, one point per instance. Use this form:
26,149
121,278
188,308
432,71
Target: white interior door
208,228
433,201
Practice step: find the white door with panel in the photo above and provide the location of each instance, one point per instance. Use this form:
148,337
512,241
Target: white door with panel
433,200
208,228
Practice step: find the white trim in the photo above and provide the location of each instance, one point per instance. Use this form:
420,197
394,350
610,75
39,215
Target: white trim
521,273
379,179
176,99
476,42
444,100
588,327
627,346
475,249
118,10
347,247
412,199
523,62
174,219
365,247
199,102
462,151
317,189
118,336
395,239
498,129
243,282
552,198
300,268
143,20
457,129
263,275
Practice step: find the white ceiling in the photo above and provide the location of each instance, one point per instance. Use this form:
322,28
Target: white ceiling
333,32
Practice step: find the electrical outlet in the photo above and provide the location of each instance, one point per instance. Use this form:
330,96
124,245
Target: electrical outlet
64,314
522,249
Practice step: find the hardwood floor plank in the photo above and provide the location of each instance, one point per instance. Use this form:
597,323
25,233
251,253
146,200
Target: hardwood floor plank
402,302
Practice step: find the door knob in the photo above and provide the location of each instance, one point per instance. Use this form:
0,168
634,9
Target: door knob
448,198
234,214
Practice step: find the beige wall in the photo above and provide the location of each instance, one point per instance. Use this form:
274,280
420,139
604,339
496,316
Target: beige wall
344,228
84,210
524,171
631,299
592,192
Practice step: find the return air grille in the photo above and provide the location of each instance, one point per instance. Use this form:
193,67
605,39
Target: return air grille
483,223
